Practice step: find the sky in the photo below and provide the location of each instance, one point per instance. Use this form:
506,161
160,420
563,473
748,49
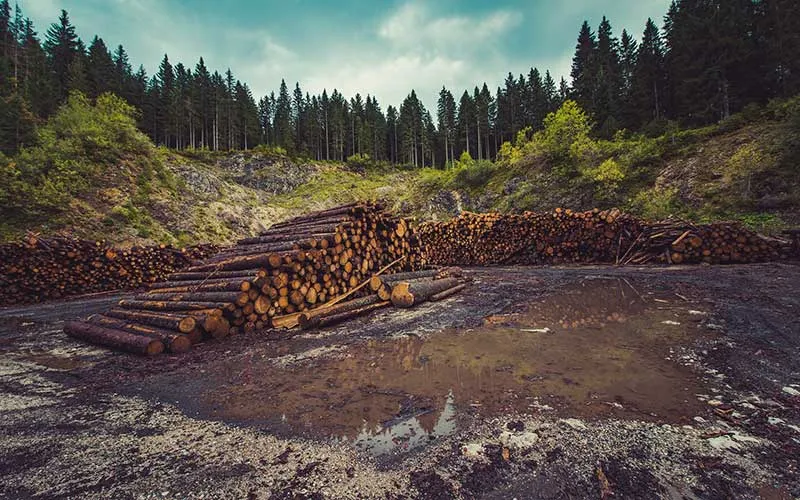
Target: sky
380,47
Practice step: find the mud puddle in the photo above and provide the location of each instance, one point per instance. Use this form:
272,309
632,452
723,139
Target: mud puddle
595,349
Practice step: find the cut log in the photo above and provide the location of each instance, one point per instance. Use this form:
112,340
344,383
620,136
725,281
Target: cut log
183,324
219,297
115,339
323,321
410,293
155,305
176,343
447,293
306,319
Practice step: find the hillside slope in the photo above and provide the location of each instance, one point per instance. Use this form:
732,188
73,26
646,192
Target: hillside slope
129,192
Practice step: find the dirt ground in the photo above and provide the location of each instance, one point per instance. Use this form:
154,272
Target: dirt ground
590,382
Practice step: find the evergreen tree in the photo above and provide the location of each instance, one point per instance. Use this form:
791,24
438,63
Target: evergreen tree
551,93
539,101
100,68
713,63
466,123
62,47
649,79
779,26
17,124
301,143
584,70
36,82
391,134
609,82
284,131
123,74
7,40
628,54
202,102
446,118
77,78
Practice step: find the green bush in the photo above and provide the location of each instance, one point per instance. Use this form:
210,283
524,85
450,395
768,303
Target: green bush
656,203
75,150
474,175
270,150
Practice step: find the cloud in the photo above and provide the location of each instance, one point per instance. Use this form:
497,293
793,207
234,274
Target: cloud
414,26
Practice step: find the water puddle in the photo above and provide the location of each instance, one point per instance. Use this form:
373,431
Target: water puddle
595,349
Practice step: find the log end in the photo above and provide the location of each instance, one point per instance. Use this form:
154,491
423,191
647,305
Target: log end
180,344
401,296
187,324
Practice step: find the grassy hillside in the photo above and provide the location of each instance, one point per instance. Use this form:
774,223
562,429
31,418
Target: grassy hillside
92,174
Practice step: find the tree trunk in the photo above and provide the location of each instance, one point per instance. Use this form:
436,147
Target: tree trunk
123,341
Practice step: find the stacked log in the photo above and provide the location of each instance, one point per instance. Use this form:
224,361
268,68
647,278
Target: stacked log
557,237
295,266
39,269
678,242
594,236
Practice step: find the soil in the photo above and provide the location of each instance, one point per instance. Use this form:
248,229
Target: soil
680,382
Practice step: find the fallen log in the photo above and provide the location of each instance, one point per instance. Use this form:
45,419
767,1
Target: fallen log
218,297
176,343
328,320
115,339
410,293
447,293
183,324
306,319
154,305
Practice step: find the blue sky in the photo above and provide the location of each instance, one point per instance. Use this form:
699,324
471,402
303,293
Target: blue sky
384,48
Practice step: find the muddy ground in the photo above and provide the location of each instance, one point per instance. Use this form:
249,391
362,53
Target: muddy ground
534,383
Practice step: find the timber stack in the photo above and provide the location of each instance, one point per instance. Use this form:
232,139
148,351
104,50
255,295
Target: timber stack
38,269
296,266
679,242
557,237
594,236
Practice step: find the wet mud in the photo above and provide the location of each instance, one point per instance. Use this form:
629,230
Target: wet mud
533,383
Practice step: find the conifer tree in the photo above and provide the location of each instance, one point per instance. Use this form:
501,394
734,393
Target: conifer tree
62,47
649,79
584,70
100,68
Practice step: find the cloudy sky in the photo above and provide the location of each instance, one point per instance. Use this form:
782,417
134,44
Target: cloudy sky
381,47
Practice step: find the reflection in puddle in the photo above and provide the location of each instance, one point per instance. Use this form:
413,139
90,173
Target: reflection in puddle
408,434
595,349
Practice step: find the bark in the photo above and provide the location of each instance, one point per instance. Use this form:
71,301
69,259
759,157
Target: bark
115,339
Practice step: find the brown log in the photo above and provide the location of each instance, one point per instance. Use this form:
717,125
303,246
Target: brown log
208,285
323,321
183,324
447,293
410,293
203,276
155,305
305,319
222,297
176,343
115,339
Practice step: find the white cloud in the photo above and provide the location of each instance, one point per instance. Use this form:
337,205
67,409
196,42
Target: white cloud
414,26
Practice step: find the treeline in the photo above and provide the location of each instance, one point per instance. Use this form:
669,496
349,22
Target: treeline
710,59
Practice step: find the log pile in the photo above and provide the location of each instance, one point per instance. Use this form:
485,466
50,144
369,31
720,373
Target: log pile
296,266
39,269
678,242
594,236
557,237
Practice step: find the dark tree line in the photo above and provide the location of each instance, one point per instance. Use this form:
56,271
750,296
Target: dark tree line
710,59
